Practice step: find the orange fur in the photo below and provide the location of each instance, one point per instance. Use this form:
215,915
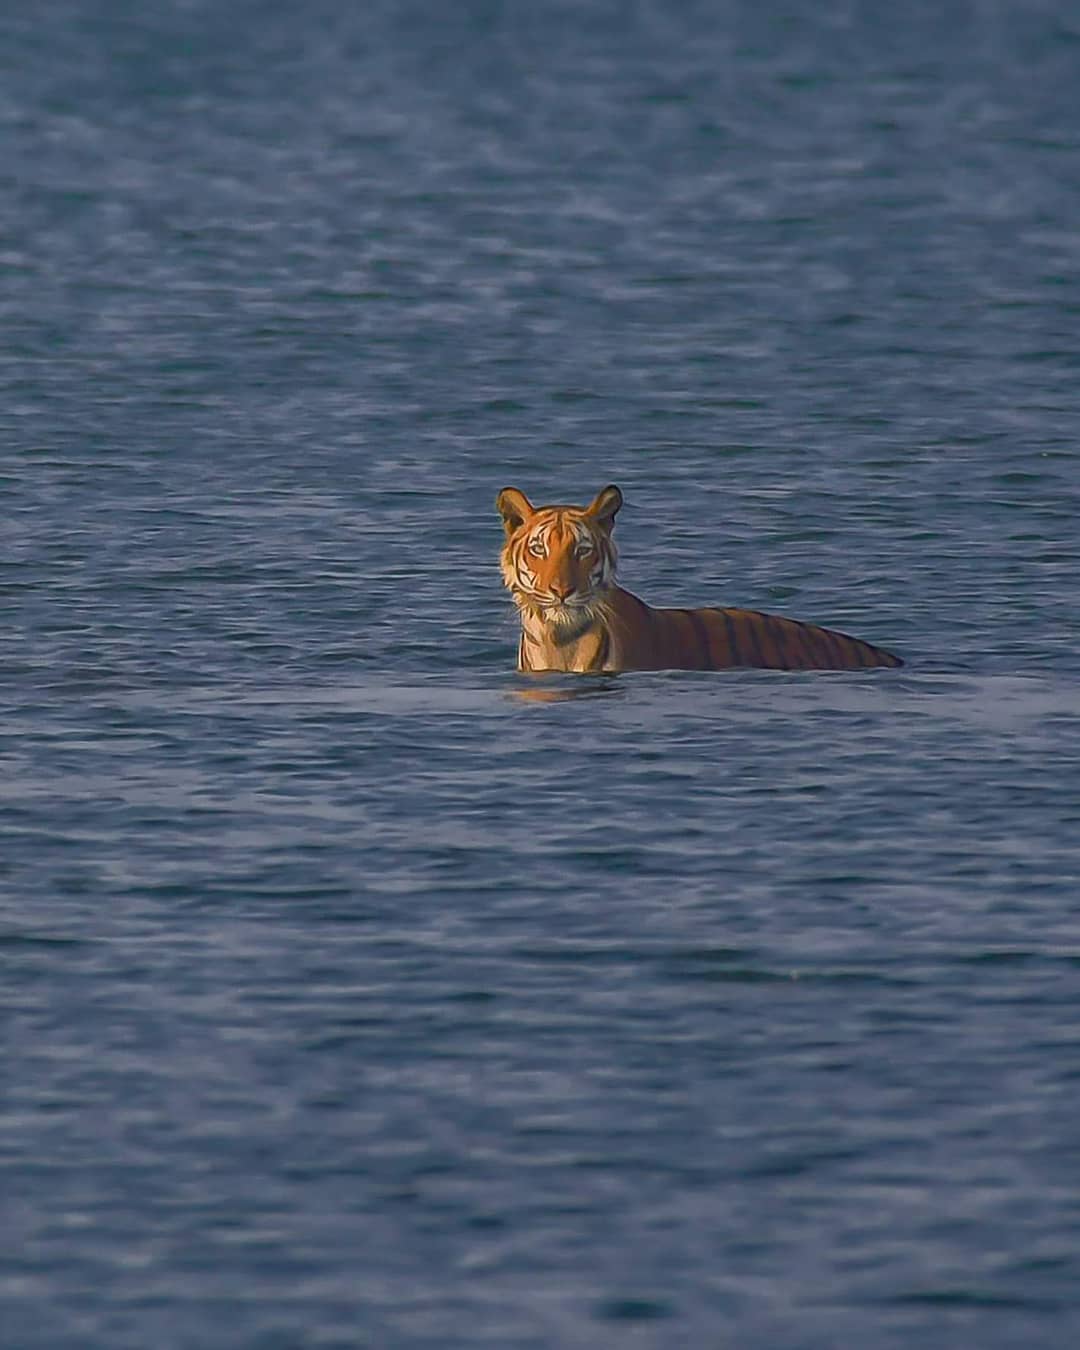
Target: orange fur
558,562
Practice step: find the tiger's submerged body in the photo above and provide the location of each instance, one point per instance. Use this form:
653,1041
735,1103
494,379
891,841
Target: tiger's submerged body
558,562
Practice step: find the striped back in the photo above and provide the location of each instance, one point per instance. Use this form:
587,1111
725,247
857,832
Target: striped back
558,562
720,639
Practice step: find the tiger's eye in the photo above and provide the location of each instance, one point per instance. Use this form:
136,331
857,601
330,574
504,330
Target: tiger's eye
536,547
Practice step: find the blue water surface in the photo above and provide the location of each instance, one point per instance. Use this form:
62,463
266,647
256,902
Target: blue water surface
353,995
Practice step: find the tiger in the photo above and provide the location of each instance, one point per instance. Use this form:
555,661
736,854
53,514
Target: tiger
558,563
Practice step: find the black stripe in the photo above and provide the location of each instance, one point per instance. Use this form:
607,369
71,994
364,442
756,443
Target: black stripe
862,651
834,649
702,630
849,649
778,632
877,656
702,635
732,637
750,617
756,621
817,649
805,655
889,658
869,655
842,643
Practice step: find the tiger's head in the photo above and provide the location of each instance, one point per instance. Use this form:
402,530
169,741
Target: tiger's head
559,561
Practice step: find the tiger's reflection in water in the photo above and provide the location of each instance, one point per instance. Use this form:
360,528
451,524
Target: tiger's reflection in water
546,691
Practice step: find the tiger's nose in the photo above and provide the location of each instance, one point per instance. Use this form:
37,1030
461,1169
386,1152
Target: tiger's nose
562,590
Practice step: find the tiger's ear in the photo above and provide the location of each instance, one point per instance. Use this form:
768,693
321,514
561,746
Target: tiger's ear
514,507
607,502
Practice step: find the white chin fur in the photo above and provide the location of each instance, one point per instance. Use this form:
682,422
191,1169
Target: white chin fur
567,616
